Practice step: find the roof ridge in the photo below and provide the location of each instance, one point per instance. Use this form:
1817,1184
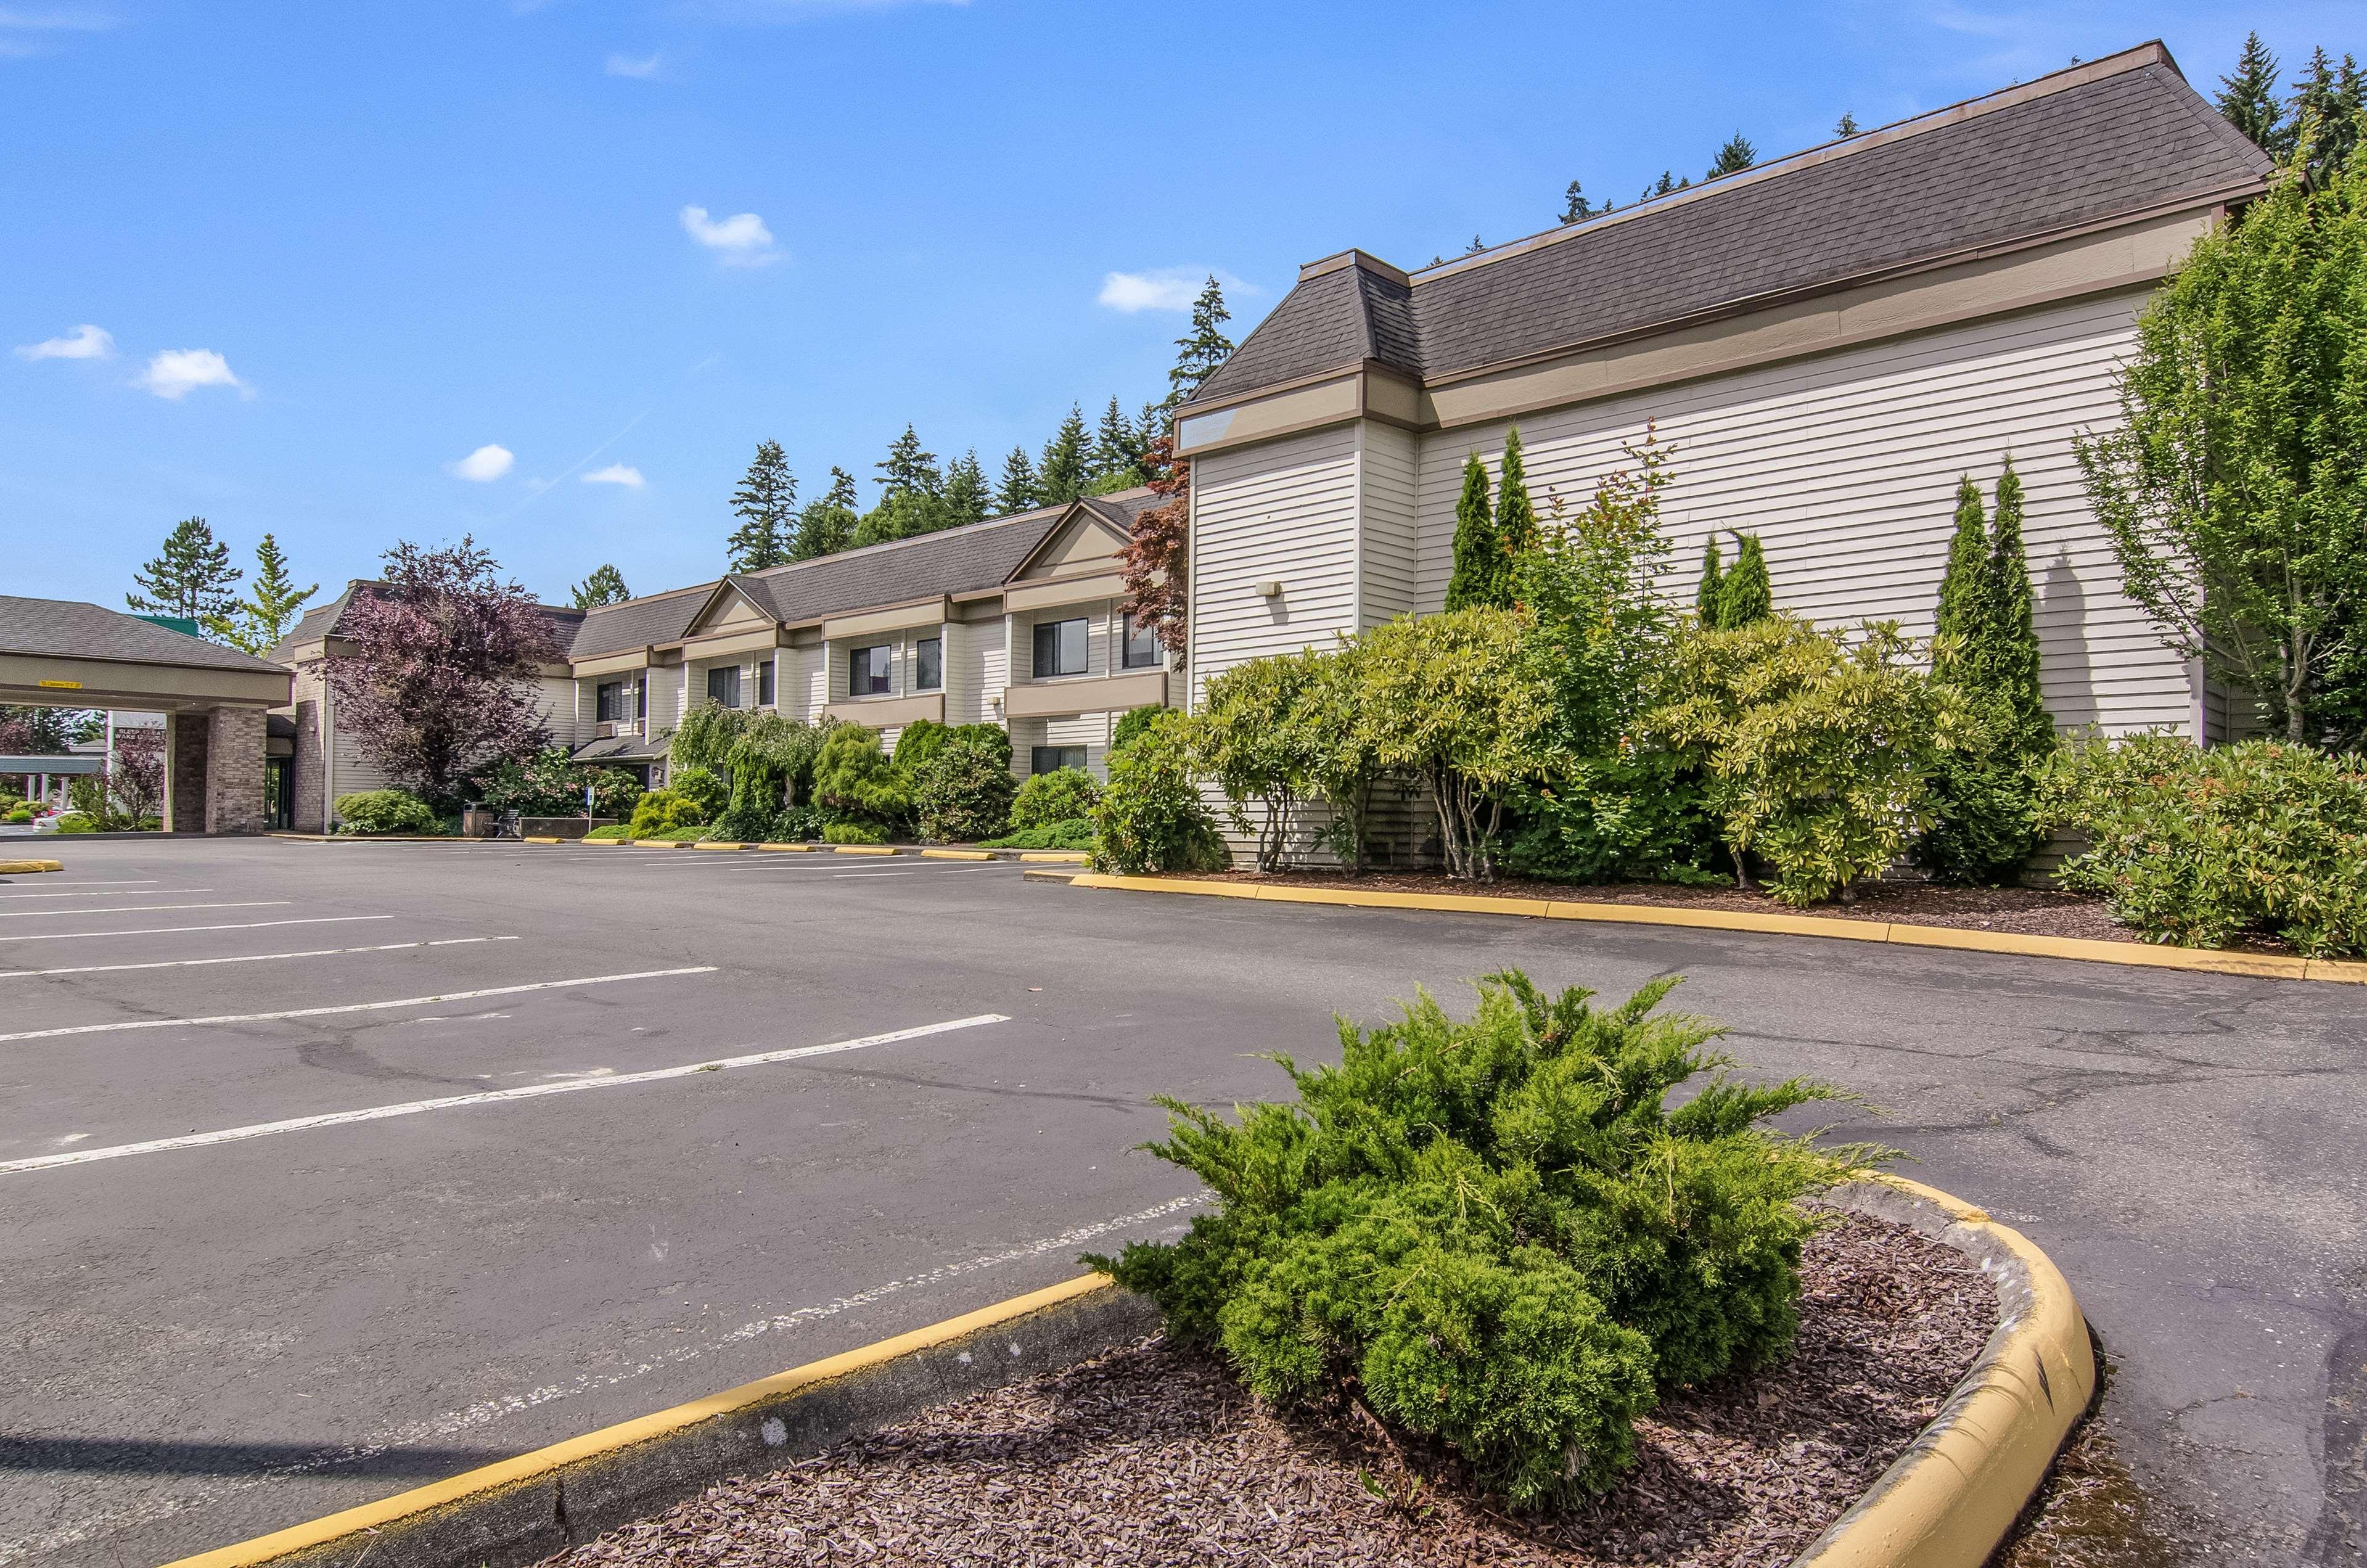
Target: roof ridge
770,572
2138,58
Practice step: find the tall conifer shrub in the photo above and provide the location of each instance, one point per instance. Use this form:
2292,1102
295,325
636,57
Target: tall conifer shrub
1481,573
1713,573
1516,519
1746,595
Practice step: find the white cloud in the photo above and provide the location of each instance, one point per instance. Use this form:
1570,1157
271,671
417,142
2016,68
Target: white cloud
176,372
616,473
740,240
26,35
84,342
1165,288
639,70
484,465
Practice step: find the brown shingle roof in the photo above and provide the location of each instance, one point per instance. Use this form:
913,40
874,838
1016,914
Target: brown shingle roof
70,629
2113,140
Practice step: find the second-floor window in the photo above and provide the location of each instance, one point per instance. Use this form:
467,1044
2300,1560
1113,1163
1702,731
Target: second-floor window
610,698
1060,647
1141,642
764,687
867,670
929,665
723,685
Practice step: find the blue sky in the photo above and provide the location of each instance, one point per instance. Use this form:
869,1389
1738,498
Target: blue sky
331,254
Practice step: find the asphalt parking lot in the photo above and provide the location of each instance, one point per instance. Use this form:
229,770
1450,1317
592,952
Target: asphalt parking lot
328,1169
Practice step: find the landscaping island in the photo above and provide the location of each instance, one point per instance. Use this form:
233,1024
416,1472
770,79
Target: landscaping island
1155,1454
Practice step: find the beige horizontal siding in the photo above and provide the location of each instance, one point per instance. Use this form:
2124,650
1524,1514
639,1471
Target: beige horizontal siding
1284,511
1388,502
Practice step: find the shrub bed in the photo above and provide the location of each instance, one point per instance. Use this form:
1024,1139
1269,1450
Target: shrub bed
384,811
1073,832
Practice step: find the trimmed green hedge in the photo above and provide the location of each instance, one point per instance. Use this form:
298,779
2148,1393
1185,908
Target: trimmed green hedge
384,811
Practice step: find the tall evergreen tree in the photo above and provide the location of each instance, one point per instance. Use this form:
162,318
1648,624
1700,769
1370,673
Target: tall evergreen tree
1118,451
765,505
190,578
966,500
2013,622
258,622
908,469
1481,574
1712,574
1575,208
1207,347
1745,595
2327,103
828,525
1846,128
1516,519
1967,597
606,586
1737,155
1065,468
2247,99
1018,492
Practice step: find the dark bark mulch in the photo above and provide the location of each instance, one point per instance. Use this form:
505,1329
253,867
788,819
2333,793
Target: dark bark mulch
1155,1455
2038,912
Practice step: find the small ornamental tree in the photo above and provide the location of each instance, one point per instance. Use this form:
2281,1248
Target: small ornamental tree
437,680
2013,625
1156,552
1745,595
1481,574
1453,701
1253,739
2233,490
135,775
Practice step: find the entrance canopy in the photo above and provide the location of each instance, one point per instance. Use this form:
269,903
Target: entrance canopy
61,653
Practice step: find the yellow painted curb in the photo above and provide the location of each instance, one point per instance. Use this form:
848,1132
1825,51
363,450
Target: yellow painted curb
956,855
658,843
864,848
528,1467
788,848
2145,955
532,840
1952,1496
1056,856
718,844
28,868
605,843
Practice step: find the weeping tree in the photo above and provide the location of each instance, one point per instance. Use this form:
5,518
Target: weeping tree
2235,488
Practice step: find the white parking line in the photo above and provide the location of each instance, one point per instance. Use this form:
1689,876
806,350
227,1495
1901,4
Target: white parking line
839,875
349,1007
148,893
251,958
129,882
175,931
142,908
489,1096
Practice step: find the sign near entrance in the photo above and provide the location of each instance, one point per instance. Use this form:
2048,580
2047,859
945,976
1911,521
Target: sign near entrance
62,685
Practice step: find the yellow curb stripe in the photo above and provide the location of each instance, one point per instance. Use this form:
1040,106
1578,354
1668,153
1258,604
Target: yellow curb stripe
2262,966
610,1440
531,839
956,854
718,844
28,868
658,843
864,848
1056,856
788,848
1949,1500
604,843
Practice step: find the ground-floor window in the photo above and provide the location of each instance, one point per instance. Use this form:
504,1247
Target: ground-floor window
765,687
1051,759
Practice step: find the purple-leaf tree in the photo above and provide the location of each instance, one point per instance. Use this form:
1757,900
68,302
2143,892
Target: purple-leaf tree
439,676
135,774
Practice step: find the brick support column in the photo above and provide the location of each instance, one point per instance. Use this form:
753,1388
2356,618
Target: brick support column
185,737
233,787
306,764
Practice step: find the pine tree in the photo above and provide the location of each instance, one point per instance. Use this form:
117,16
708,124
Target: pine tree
1846,128
1516,519
1064,471
908,469
828,525
605,586
765,505
1712,574
2327,104
1476,247
2013,618
190,578
1745,595
1198,356
1575,208
1018,492
965,499
1118,451
1737,155
2248,100
258,622
1481,573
